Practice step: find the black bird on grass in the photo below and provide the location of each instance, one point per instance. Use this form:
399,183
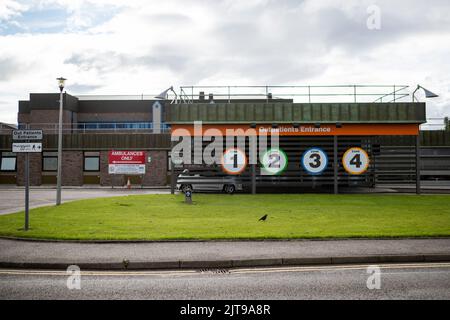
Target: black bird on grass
263,218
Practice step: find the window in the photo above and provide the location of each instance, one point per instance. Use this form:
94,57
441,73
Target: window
50,161
114,125
8,161
92,161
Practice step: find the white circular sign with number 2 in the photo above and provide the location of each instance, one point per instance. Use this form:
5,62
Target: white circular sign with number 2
274,161
355,160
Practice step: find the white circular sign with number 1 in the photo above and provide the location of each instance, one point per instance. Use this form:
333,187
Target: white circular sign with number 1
234,161
314,160
355,160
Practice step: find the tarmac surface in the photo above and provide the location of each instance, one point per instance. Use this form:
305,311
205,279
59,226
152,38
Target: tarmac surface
13,199
400,281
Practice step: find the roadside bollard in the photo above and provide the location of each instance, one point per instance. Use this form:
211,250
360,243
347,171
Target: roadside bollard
188,196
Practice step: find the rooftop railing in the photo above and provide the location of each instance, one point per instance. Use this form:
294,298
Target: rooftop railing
300,94
147,96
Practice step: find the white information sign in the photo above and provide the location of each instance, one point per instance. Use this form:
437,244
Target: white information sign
27,147
27,135
133,169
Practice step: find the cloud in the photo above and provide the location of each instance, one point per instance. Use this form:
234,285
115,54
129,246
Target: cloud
10,9
82,88
8,67
130,47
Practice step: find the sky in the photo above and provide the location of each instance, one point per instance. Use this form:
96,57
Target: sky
111,47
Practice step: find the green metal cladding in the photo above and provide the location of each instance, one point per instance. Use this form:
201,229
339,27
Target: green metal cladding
286,112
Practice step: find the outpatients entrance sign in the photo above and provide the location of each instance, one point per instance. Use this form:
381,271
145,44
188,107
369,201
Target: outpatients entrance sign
126,162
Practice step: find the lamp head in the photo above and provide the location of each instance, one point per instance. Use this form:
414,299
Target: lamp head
429,94
163,95
61,83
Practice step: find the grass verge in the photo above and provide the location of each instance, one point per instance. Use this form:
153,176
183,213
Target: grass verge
213,216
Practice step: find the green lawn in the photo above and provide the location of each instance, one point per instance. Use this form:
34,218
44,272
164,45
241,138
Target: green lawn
158,217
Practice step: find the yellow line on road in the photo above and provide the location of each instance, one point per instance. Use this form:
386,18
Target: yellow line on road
343,267
170,273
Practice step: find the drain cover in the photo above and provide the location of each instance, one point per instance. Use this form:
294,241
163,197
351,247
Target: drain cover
214,271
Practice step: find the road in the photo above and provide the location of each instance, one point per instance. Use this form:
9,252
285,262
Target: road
13,200
397,281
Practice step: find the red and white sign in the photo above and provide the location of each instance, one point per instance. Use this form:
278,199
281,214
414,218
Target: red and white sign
126,162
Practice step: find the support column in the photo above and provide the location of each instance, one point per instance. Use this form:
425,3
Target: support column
253,178
172,172
336,163
253,155
418,188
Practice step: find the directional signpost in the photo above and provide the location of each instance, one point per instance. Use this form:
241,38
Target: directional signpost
27,147
27,135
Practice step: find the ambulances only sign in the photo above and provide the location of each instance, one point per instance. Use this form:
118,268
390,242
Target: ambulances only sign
126,162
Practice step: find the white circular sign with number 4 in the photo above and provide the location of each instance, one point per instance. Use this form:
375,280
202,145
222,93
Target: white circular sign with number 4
355,160
234,161
314,161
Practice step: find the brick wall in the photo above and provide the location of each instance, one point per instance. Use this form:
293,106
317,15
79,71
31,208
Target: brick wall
35,169
72,168
105,178
23,117
50,116
115,117
156,170
48,120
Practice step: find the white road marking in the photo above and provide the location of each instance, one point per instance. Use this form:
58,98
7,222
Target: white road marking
231,271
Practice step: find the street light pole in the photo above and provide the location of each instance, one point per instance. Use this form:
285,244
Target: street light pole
61,82
428,94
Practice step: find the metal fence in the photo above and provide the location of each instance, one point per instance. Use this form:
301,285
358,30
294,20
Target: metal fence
388,165
300,94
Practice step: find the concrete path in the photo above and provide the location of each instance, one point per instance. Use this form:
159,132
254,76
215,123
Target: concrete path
13,199
218,253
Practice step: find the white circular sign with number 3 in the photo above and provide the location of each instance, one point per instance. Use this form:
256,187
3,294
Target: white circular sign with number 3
234,161
314,161
355,161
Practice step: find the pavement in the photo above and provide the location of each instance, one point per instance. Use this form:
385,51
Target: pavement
12,199
216,254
